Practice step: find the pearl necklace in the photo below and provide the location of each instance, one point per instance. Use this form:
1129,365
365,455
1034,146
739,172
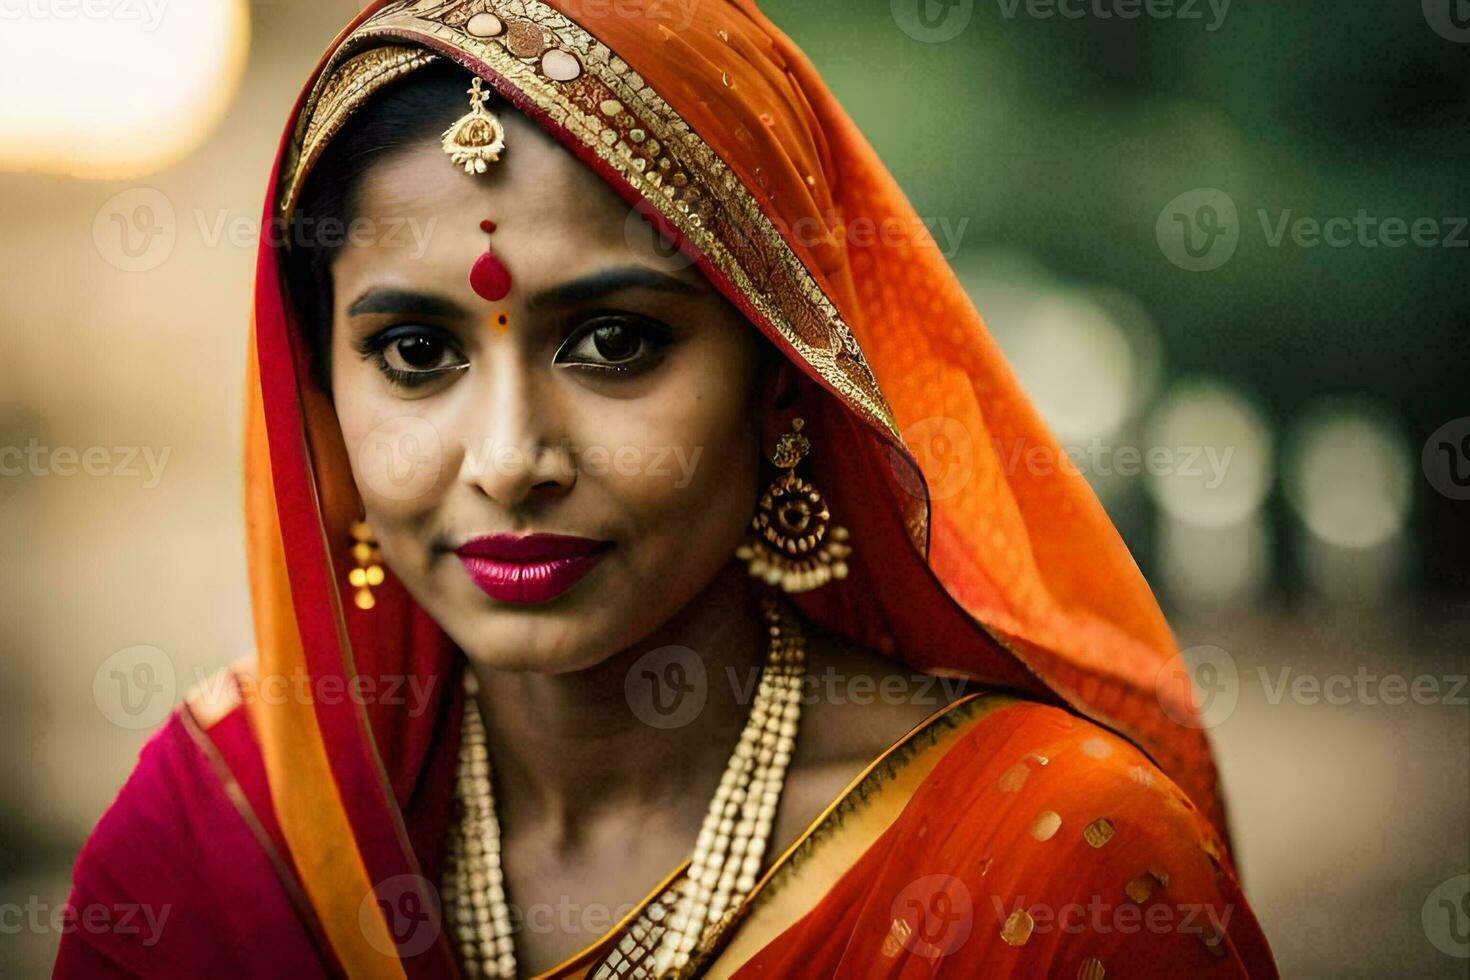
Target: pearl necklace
683,922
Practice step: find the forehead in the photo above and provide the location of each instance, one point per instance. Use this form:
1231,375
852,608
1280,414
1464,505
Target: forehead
536,188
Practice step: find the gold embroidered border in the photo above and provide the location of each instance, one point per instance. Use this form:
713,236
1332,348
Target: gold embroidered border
335,97
610,109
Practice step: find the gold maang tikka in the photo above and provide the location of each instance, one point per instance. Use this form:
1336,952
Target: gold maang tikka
477,139
792,542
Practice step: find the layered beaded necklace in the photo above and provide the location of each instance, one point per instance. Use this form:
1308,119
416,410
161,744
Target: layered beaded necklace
681,924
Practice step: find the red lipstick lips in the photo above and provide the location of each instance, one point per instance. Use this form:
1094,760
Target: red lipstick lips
531,568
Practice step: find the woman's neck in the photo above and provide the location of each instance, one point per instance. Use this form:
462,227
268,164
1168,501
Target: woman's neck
571,749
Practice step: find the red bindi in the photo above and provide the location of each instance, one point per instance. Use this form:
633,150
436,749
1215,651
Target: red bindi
489,277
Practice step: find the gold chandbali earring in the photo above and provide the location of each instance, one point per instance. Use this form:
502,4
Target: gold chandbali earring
792,542
369,570
476,140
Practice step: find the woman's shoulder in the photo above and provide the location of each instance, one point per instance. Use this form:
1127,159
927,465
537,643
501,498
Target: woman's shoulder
175,846
1004,837
178,770
204,750
1059,831
1042,773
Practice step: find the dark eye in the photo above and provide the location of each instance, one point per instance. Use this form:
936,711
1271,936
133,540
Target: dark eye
617,343
413,355
416,353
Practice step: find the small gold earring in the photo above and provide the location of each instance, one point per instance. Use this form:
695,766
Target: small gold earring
369,570
792,542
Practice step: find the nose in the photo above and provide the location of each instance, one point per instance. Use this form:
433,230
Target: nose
522,454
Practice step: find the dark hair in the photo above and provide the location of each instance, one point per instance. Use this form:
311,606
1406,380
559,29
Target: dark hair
403,114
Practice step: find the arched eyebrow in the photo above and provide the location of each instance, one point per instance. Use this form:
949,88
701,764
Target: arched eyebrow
598,285
406,301
605,283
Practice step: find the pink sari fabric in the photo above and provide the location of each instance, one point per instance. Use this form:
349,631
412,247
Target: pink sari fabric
177,848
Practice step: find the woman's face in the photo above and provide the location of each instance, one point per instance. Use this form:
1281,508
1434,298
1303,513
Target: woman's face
611,395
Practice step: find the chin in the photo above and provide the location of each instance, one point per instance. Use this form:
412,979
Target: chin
574,632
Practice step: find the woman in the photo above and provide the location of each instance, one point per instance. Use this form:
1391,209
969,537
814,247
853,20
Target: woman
504,453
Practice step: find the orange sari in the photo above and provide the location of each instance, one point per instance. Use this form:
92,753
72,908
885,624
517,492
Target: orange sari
1071,825
1001,838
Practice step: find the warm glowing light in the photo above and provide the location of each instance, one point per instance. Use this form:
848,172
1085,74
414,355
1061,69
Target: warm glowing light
1205,569
115,88
1348,477
1214,455
1087,358
1075,364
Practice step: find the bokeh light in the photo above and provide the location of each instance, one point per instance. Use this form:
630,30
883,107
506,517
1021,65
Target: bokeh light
1348,476
116,90
1214,452
1206,569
